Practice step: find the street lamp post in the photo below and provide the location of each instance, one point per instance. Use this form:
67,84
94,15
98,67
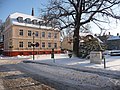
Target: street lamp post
33,45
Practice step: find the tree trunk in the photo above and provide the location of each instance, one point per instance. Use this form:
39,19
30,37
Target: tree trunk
76,36
76,42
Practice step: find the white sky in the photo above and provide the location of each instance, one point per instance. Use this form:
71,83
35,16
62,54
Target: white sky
113,28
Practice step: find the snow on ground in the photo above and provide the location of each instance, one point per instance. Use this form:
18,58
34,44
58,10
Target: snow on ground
112,62
78,80
71,76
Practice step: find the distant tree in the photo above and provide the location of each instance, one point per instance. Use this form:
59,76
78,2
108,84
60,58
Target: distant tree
74,14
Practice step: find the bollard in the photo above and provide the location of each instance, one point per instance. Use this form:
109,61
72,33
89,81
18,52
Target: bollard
52,55
104,62
70,55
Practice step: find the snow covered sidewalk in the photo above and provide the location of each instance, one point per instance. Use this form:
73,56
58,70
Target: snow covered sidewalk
112,62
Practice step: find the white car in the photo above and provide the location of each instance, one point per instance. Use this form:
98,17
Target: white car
115,53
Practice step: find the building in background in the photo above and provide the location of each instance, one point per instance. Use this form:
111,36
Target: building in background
87,41
113,42
21,31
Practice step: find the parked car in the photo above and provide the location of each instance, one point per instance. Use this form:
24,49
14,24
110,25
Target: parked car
115,53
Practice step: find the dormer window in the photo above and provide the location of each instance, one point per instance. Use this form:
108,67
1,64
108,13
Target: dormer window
34,21
20,19
28,20
40,22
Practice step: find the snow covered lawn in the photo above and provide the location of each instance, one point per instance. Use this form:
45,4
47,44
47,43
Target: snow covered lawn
112,62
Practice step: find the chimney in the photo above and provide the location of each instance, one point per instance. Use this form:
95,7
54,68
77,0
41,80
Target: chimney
32,11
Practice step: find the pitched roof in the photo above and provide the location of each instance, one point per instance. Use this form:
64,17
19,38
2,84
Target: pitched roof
16,15
13,17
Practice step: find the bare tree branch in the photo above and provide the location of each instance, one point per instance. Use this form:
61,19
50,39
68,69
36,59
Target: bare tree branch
81,12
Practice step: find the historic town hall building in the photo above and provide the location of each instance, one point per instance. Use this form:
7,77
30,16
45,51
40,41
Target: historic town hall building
23,31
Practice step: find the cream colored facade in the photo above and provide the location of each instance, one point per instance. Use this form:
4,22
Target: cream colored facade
17,39
67,44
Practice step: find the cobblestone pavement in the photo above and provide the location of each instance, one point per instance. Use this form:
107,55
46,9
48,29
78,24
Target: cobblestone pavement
12,79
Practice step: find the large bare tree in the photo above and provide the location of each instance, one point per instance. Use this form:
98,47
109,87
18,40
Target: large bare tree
74,14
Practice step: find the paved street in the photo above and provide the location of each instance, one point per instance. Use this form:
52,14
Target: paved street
13,79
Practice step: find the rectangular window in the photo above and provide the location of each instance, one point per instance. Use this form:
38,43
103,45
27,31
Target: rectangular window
29,33
36,33
21,32
43,44
29,44
55,35
49,35
49,45
20,44
55,45
43,34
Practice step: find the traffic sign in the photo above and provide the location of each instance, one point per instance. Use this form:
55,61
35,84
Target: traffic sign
37,44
